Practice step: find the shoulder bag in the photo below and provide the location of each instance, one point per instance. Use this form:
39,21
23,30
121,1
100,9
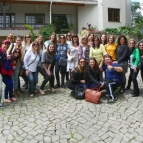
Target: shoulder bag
93,95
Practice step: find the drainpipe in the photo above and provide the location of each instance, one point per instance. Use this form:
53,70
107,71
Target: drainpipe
50,12
4,15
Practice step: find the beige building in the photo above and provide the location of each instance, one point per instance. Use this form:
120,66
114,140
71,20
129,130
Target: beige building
63,13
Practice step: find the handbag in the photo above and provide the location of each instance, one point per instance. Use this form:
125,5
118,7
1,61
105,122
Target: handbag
79,93
93,95
140,65
63,62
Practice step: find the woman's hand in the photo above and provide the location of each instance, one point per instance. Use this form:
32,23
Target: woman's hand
48,72
14,67
102,85
135,69
27,72
82,81
8,57
142,57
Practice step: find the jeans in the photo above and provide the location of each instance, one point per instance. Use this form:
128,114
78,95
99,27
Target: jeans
8,86
16,76
60,69
46,78
33,80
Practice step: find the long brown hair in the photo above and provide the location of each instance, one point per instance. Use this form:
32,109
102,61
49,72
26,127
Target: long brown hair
79,69
37,43
48,51
75,36
96,38
96,67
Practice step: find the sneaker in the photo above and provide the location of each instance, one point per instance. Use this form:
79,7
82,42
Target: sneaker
13,99
7,100
1,105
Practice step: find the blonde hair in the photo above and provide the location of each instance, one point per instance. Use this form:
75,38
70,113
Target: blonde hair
35,42
10,36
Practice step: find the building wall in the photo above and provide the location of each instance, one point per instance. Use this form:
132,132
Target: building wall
87,14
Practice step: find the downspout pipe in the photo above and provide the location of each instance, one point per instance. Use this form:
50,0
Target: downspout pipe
50,12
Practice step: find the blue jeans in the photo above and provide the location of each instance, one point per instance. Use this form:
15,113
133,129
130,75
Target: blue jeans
33,80
8,86
16,76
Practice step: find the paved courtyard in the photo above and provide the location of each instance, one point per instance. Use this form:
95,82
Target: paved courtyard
58,118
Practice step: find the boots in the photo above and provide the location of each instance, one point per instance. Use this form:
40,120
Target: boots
15,93
122,88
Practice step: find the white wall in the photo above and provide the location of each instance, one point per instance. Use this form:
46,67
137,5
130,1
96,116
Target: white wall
123,5
87,14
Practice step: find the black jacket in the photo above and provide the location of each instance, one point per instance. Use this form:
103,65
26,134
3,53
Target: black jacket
92,77
122,53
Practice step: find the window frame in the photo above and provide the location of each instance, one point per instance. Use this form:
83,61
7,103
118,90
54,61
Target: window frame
35,24
113,14
11,24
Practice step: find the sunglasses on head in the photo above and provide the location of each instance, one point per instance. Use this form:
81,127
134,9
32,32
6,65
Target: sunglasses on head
82,61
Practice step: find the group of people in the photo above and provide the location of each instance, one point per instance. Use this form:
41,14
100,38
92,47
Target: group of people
67,59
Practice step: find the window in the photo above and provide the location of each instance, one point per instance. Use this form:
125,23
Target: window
62,22
113,15
35,20
10,18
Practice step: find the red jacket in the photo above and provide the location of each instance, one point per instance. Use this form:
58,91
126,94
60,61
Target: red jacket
7,67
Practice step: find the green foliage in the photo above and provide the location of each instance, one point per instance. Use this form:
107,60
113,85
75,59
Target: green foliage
125,30
30,28
47,31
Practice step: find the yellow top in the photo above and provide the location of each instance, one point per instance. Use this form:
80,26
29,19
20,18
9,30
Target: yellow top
111,50
97,53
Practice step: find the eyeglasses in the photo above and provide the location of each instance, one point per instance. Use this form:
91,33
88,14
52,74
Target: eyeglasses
27,37
140,45
35,45
82,61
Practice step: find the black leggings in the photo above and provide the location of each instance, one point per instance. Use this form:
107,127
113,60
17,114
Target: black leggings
133,77
62,70
46,78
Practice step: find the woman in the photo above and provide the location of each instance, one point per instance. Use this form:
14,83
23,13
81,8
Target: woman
45,67
31,61
10,38
7,71
93,74
26,46
27,42
53,39
78,77
61,61
122,53
73,54
90,39
68,38
103,39
140,46
111,47
85,48
97,51
134,61
17,45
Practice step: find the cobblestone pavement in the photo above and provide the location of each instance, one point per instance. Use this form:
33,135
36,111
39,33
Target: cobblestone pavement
58,118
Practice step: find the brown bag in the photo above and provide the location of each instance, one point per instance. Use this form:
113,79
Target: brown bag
93,95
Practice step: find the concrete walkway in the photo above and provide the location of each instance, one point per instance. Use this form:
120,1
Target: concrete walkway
58,118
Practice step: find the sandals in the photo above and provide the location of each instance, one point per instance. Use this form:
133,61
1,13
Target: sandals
52,89
13,99
7,100
42,92
32,95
